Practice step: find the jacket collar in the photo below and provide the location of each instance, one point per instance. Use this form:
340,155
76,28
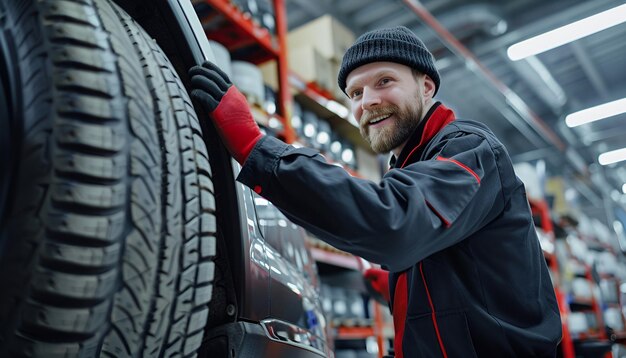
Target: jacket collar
438,116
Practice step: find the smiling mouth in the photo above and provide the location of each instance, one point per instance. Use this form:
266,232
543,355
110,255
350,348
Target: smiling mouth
379,119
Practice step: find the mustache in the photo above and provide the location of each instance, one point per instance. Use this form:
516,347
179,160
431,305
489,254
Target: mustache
377,112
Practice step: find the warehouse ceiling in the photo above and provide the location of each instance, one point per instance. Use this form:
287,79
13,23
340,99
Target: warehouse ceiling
524,102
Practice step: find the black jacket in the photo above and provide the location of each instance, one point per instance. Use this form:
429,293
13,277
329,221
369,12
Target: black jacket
450,221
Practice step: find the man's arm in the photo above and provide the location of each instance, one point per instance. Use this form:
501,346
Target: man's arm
411,214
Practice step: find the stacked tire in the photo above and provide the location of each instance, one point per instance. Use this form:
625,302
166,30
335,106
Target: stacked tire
108,214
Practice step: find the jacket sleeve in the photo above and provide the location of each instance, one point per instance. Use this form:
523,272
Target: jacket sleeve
409,215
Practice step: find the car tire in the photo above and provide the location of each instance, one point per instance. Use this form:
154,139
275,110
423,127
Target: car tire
107,242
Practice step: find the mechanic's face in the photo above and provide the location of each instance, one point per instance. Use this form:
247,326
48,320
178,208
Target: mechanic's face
388,102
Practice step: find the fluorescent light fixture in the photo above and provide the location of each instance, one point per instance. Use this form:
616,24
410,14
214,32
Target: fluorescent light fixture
335,147
352,120
309,130
323,138
596,113
337,108
347,155
296,122
568,33
270,107
340,110
613,156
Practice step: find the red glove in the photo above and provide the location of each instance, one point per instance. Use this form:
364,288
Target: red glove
228,107
379,280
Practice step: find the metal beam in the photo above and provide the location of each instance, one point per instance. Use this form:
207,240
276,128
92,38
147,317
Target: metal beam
466,20
584,188
513,118
477,67
535,74
322,7
541,153
402,19
614,133
460,76
348,6
436,5
549,22
590,69
370,12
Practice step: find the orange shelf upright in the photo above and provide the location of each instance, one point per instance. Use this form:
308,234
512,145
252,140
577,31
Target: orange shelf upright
540,207
252,43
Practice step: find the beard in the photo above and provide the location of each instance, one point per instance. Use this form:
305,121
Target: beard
390,137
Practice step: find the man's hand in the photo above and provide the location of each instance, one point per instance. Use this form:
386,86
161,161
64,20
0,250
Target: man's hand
378,280
228,107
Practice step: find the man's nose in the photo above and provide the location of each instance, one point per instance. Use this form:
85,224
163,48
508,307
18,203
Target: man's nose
370,99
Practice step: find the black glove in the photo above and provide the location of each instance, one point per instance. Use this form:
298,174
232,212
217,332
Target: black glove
228,107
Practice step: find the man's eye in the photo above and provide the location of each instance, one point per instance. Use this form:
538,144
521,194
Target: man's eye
355,93
385,81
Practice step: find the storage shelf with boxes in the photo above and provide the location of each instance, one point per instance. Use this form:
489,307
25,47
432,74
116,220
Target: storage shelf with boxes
329,38
226,23
250,37
586,267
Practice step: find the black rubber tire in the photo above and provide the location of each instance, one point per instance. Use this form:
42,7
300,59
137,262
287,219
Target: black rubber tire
109,244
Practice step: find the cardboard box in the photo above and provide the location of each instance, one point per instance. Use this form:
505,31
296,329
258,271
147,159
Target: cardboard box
555,188
326,34
269,70
336,91
309,64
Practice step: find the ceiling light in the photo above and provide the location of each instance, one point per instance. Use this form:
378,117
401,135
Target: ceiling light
337,108
296,122
570,194
274,123
309,130
596,113
347,156
323,138
270,107
567,33
352,120
624,188
613,156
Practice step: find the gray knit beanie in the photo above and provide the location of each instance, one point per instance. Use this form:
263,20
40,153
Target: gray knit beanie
396,44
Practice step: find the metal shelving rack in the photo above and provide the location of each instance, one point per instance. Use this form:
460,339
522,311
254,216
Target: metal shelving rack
247,41
540,208
351,262
571,342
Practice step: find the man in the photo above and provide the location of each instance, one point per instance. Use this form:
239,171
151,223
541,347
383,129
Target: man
450,220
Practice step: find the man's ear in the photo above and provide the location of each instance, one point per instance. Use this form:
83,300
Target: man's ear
429,87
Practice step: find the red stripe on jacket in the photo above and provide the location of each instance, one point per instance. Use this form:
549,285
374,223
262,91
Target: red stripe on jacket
400,304
439,119
468,169
433,315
